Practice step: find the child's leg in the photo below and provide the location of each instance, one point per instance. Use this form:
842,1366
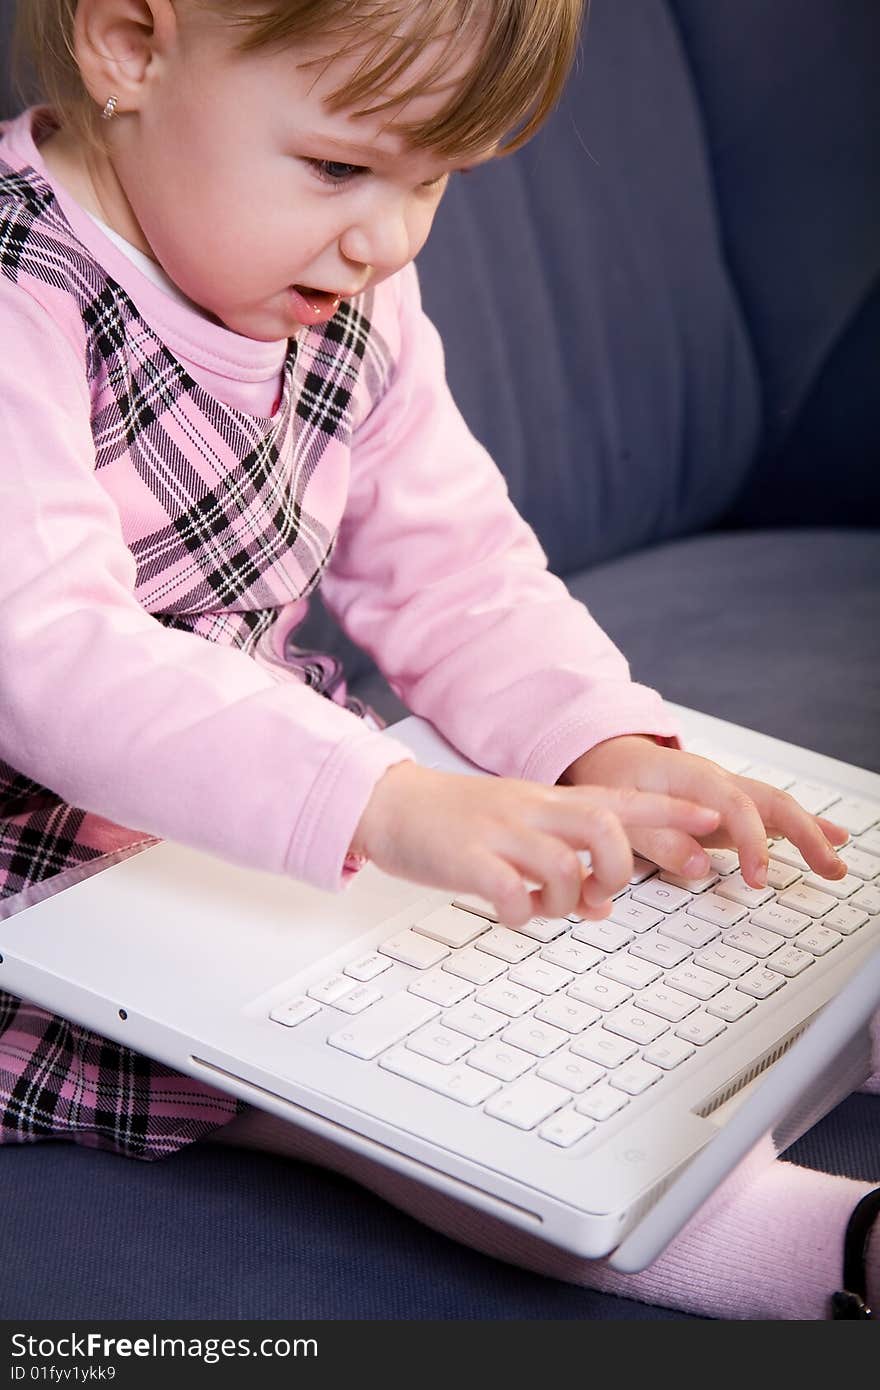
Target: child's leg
768,1244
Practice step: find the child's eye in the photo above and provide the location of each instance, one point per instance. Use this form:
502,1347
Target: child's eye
333,171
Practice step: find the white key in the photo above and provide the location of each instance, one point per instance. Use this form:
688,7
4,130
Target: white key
667,1003
367,967
461,1083
760,982
476,966
660,950
634,1077
525,1103
725,959
837,887
755,940
601,994
441,988
634,1024
509,999
693,979
607,935
606,1049
700,1028
664,896
572,955
815,797
545,928
439,1043
789,961
383,1025
507,1063
845,918
638,917
507,945
601,1102
737,890
868,898
780,876
723,861
669,1053
642,869
863,865
787,853
564,1012
451,926
689,931
855,814
540,975
571,1072
538,1038
475,1020
566,1128
818,940
693,885
721,912
294,1011
808,900
358,999
412,949
869,842
731,1005
469,902
329,990
626,970
771,774
781,920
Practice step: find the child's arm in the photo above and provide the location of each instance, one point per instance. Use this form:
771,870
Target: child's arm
440,579
156,729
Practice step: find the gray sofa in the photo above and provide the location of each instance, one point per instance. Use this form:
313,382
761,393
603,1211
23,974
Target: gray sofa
661,317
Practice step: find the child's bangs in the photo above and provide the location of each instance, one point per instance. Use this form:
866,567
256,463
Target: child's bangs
523,50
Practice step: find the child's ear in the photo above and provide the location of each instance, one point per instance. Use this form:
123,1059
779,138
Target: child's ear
119,46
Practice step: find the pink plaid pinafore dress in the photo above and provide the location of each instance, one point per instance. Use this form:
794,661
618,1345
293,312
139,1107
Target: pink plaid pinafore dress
209,567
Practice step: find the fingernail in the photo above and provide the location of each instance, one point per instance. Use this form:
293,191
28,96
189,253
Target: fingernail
697,865
761,876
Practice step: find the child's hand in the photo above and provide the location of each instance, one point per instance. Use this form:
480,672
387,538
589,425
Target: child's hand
750,810
487,835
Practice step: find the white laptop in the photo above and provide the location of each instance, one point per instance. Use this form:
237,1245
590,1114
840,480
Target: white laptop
589,1082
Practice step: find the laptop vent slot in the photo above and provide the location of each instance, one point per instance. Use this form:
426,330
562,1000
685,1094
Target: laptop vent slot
761,1064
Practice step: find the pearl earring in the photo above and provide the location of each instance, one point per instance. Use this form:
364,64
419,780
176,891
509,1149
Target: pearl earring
109,109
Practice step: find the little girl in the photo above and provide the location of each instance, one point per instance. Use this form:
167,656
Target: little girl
218,390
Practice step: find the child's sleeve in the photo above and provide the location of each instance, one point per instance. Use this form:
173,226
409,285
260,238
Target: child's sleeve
438,577
156,729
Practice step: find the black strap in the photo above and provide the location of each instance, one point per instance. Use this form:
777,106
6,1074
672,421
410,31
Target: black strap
849,1303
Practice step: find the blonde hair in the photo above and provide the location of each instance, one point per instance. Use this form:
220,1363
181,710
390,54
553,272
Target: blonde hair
526,51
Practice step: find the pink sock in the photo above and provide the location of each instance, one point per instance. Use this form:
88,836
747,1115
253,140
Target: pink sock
767,1245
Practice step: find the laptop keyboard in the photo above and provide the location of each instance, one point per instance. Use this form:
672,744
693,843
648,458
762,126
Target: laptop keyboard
555,1026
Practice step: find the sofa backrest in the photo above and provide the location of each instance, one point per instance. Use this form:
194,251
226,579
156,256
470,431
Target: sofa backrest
594,340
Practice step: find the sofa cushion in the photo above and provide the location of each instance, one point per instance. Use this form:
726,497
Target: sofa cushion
695,618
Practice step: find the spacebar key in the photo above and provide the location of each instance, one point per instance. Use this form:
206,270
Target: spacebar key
463,1083
383,1025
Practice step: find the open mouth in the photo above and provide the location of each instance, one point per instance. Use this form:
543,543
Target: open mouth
317,296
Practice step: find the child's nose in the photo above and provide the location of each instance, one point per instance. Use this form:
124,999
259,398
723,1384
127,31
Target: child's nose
382,241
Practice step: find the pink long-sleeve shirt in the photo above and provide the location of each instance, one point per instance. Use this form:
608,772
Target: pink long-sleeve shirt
114,569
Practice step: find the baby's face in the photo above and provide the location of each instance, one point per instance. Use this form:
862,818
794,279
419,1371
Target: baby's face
243,184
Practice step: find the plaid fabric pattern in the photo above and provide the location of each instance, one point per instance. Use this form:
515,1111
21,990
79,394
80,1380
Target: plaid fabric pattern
223,538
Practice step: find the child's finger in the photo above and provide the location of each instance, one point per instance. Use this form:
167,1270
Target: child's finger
634,807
